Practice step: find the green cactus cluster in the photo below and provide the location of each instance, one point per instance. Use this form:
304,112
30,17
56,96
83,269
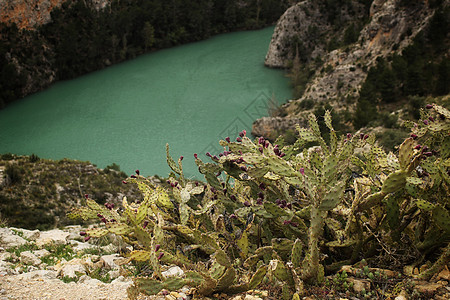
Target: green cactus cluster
285,214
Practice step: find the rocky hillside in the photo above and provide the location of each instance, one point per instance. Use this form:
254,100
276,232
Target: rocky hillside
37,193
330,50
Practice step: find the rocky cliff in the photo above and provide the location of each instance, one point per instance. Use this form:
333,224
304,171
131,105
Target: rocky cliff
28,14
390,27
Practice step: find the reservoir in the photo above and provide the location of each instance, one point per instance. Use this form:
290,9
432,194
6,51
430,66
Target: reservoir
190,96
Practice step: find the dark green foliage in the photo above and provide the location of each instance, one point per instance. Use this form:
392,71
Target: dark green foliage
422,69
13,173
37,193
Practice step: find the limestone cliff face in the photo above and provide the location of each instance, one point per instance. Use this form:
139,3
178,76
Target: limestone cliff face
391,28
27,14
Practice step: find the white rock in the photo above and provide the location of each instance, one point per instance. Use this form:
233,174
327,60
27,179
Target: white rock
114,274
72,269
41,253
28,258
79,246
108,261
43,274
8,239
55,236
173,271
30,235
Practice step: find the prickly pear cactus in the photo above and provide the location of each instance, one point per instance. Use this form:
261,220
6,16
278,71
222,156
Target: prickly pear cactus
268,212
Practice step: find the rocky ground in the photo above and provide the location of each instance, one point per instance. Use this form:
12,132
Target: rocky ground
59,264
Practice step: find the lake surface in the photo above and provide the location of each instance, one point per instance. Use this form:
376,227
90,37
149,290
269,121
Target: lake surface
190,96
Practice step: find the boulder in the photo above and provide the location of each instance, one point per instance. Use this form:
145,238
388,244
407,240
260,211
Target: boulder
72,268
55,236
28,258
8,239
30,235
108,261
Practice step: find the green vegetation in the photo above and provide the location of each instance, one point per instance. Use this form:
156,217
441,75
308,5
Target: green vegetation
287,216
36,193
80,39
422,69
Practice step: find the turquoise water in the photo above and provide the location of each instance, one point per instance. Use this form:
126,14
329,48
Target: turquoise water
188,96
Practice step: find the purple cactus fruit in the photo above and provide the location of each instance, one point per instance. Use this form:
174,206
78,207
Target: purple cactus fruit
431,119
349,135
195,155
208,154
425,122
213,190
196,183
278,201
133,176
145,224
302,171
428,153
246,203
259,201
181,157
294,224
175,183
241,134
244,168
99,215
112,220
86,196
284,203
289,205
233,197
104,220
228,139
157,246
260,150
366,137
124,182
238,139
414,136
172,185
160,255
82,233
218,174
425,148
87,238
233,216
137,172
261,140
168,181
165,292
286,222
418,147
221,154
244,132
282,154
266,144
429,106
215,157
361,136
276,151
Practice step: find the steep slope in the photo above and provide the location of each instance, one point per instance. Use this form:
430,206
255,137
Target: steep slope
338,75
